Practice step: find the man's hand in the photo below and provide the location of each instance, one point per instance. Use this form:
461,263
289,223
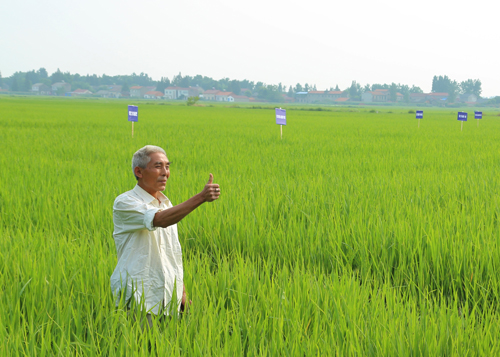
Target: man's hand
184,300
211,191
173,215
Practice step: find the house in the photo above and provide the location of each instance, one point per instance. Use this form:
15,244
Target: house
115,91
224,97
210,94
195,91
380,95
41,89
240,98
139,91
176,93
103,93
322,96
418,97
367,97
61,86
436,98
301,97
468,98
154,95
81,92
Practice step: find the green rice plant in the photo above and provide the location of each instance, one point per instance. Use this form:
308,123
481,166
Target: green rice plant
353,235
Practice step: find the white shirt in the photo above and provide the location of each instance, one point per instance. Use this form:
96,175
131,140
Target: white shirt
149,258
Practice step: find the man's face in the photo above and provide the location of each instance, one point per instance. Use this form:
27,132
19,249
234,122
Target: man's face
154,177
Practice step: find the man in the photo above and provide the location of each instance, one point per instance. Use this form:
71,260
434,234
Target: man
149,266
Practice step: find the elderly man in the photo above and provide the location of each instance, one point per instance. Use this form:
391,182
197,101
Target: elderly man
149,266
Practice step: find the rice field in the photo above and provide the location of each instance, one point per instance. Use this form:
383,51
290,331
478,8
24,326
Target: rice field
357,234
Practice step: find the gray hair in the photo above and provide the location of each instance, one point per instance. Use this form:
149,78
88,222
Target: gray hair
141,157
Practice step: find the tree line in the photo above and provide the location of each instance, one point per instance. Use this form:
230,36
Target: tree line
443,84
23,81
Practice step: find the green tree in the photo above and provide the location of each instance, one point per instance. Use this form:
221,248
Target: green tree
60,91
393,92
57,76
453,91
298,88
26,87
15,84
42,73
32,76
125,88
192,101
415,89
405,91
471,86
355,91
234,86
443,84
162,84
477,88
106,80
380,86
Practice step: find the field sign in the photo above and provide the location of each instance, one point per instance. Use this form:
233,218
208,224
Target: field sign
281,119
280,116
419,115
478,115
462,116
133,115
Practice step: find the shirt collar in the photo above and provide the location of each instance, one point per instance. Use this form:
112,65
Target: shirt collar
146,197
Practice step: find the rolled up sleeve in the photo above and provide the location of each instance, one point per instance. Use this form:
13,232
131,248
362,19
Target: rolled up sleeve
132,215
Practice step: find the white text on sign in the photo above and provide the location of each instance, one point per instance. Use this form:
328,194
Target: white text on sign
133,114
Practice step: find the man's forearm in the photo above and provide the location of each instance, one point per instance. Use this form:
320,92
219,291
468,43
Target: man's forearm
174,214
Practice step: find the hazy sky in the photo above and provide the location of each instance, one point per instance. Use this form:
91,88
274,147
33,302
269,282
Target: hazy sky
315,41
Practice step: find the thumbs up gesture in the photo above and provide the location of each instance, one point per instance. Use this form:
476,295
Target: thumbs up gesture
211,191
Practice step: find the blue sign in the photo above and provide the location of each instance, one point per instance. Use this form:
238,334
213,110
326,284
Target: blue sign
420,114
462,116
133,113
280,116
478,115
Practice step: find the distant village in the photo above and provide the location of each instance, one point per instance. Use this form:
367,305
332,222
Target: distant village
311,97
445,91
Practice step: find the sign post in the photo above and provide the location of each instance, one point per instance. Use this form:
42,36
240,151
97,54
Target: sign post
462,116
281,119
419,115
133,115
478,115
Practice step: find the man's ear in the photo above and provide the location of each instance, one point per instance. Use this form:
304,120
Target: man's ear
138,171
